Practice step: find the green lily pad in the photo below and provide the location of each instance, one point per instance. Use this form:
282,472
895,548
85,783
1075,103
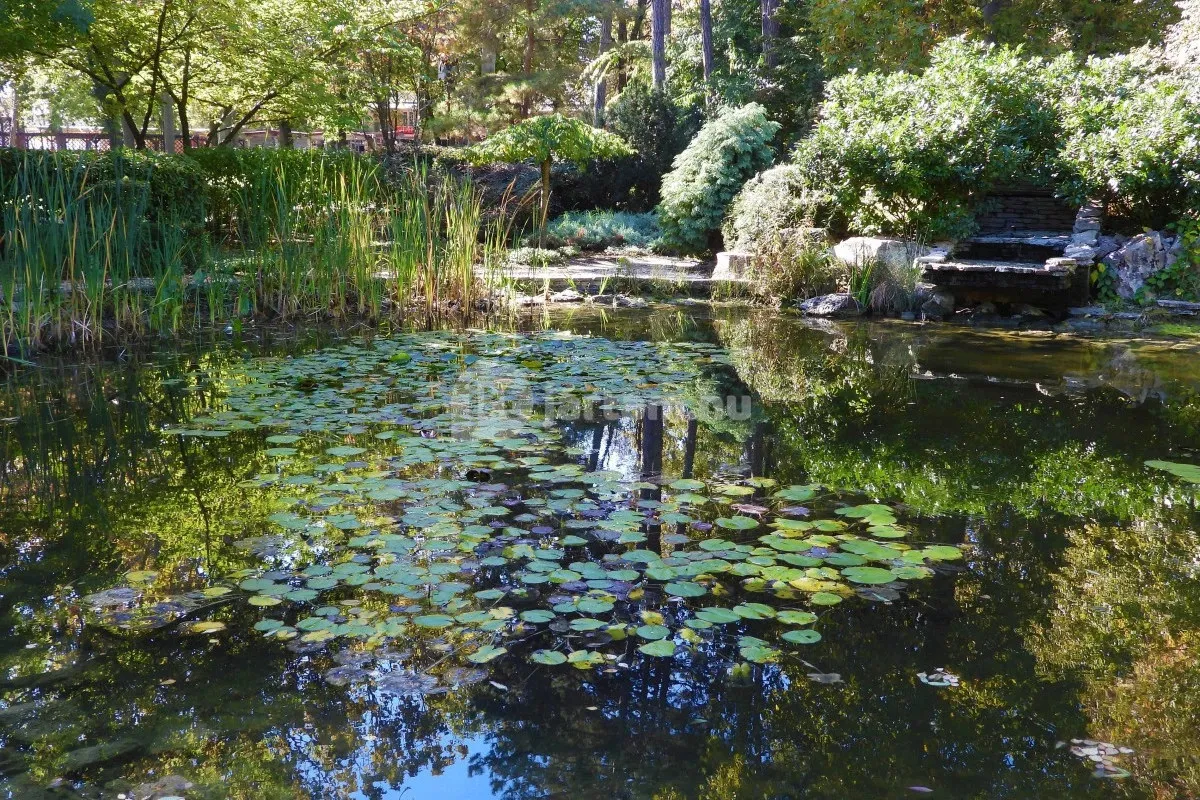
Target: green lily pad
869,575
662,648
548,657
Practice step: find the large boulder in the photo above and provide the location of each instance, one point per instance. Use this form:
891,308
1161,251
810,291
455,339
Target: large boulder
1139,258
893,253
734,265
832,305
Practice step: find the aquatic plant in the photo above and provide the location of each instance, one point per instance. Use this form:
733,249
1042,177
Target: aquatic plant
88,256
425,493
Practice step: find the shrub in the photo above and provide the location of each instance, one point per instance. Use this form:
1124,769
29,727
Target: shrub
537,257
175,186
657,129
548,139
915,154
773,219
706,177
599,230
772,202
796,263
1132,139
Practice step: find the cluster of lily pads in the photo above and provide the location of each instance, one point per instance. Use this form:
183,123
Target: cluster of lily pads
406,519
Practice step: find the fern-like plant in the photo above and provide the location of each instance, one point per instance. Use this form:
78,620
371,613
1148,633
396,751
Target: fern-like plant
727,152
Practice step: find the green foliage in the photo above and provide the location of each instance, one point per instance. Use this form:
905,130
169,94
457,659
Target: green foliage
656,128
1179,280
129,242
884,35
772,218
547,139
175,186
770,203
903,153
726,153
599,230
1131,139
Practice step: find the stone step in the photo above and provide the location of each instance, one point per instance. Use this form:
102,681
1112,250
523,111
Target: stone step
1056,267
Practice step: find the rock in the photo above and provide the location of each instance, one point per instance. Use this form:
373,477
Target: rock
986,307
832,305
939,306
1139,258
1107,244
938,254
1081,253
619,300
908,316
167,786
1087,238
566,296
524,300
733,266
1083,325
1088,311
894,253
1089,218
1028,311
1180,307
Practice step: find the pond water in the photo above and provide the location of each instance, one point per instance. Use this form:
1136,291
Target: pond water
675,553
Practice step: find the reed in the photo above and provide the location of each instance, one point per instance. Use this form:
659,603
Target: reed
90,254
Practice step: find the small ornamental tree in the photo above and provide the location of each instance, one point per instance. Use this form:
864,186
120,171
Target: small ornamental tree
545,140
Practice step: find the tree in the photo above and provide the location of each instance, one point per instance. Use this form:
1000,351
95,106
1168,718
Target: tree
770,32
601,98
545,140
706,39
660,28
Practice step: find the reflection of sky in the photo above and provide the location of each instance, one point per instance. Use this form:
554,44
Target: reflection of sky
452,783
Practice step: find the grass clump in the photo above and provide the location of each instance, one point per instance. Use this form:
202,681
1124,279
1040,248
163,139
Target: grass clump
95,249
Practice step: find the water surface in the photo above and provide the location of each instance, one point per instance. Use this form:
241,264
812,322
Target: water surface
1074,616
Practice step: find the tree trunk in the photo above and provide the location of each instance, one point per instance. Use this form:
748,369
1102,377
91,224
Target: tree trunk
489,52
17,128
622,38
601,98
286,140
660,28
706,40
530,49
770,32
168,124
990,9
112,128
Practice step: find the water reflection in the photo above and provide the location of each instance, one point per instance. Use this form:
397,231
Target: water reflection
1076,617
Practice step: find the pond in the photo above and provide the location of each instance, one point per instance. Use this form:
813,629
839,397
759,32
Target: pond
683,552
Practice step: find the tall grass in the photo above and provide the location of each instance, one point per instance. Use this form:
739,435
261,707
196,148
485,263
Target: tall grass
85,259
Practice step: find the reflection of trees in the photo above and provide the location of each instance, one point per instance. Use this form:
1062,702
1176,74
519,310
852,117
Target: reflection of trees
1059,630
858,408
1124,620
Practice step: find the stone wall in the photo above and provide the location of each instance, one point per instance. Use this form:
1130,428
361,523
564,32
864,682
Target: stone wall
1025,210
